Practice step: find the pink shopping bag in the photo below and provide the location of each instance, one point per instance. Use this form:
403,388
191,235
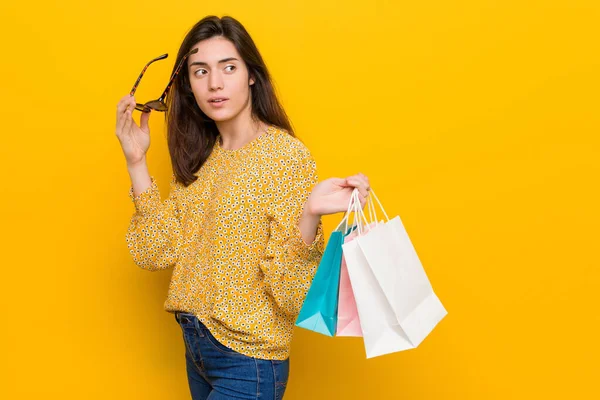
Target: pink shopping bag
348,323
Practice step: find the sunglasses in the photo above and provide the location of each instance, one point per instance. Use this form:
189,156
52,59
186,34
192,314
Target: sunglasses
158,104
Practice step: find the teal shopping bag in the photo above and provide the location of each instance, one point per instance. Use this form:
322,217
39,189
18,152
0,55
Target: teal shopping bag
319,310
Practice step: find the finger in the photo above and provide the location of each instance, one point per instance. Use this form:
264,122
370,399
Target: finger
126,102
121,124
128,121
363,201
358,183
366,180
144,121
354,181
363,177
344,182
122,105
365,183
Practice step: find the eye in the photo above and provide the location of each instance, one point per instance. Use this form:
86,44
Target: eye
196,73
230,66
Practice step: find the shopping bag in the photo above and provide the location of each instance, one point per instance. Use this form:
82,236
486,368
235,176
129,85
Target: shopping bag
319,310
348,323
398,269
396,304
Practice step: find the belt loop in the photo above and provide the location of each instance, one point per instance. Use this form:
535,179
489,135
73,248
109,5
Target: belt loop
199,327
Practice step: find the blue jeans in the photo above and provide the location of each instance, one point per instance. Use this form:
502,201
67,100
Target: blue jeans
216,372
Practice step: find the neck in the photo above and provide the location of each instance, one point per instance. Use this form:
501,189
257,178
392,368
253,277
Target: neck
235,133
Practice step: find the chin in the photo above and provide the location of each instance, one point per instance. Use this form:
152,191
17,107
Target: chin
220,117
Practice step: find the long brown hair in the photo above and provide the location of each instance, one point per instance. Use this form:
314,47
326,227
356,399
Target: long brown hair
191,134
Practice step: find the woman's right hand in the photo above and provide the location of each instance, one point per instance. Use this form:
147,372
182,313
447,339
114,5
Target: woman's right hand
135,140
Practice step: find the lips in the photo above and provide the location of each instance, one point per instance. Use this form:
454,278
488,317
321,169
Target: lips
217,100
218,104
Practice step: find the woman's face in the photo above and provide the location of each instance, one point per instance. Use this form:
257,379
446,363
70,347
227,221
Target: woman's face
218,71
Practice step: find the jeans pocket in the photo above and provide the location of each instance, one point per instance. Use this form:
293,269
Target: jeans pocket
190,341
220,346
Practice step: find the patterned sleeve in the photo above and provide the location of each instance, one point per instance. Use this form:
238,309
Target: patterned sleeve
289,264
154,234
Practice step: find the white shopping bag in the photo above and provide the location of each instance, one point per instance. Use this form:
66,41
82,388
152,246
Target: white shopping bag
396,304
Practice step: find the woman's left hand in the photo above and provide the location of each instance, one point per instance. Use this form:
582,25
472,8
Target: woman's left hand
333,195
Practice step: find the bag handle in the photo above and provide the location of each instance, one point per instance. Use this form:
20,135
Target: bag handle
372,206
346,214
358,213
354,206
372,213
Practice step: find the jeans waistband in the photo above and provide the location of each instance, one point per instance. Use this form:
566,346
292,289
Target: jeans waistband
189,320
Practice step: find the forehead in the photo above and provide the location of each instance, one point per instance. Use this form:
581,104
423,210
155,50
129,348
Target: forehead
214,49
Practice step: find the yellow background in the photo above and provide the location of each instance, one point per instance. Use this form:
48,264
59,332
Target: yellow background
476,121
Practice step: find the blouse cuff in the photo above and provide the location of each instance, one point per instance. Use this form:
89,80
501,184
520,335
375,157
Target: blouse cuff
146,200
299,247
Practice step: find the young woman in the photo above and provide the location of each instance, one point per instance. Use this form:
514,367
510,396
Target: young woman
241,226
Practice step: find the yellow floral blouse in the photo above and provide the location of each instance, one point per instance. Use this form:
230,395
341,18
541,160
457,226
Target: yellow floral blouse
238,257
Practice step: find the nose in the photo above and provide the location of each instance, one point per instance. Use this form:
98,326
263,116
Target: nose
215,81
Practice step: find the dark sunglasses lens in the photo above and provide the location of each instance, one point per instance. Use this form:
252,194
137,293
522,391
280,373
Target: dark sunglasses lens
157,105
143,107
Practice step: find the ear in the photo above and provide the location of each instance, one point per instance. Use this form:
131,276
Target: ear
251,81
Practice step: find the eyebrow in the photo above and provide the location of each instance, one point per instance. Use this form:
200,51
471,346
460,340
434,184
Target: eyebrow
219,62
